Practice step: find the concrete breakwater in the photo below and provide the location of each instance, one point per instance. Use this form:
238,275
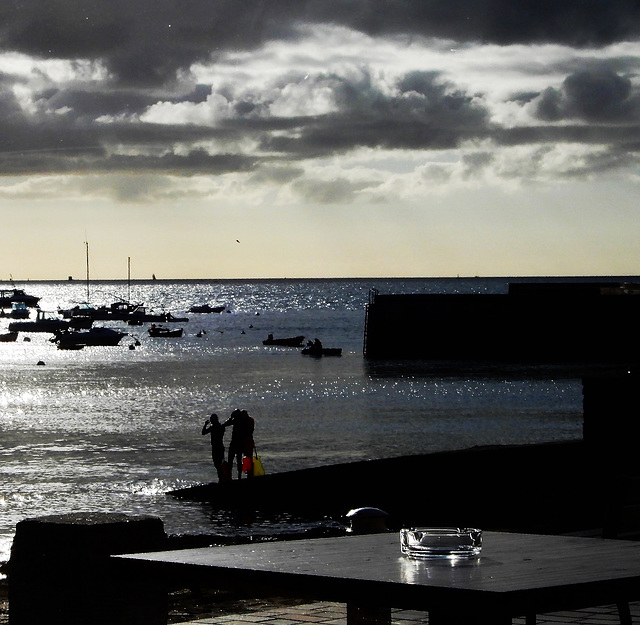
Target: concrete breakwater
546,323
542,487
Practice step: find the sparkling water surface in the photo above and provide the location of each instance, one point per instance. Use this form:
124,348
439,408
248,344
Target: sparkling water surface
114,428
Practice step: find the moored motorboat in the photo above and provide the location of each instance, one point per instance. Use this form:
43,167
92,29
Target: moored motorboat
141,314
9,296
80,317
206,308
316,349
99,336
323,351
8,337
169,318
160,331
117,311
44,322
293,341
80,323
19,310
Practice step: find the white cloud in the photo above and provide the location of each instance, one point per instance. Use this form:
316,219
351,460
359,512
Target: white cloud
215,109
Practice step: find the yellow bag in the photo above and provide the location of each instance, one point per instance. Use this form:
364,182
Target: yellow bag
257,466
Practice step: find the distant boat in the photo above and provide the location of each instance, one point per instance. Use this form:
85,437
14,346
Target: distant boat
93,337
117,311
322,351
9,296
44,322
205,308
169,318
293,341
19,310
140,314
159,331
8,337
137,318
316,349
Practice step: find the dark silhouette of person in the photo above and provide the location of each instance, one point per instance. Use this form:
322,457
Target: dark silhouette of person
242,443
215,429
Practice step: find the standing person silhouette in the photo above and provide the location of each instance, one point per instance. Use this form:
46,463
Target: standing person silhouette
215,429
241,440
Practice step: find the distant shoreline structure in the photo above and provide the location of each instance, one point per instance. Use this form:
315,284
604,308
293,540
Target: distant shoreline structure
534,321
559,278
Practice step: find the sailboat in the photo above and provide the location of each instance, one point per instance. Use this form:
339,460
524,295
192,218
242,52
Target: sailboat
83,309
120,310
90,336
83,335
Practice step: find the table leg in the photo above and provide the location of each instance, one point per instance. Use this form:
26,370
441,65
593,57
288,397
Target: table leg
624,613
367,615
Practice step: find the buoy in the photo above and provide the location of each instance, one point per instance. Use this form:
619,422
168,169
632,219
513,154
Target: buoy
367,521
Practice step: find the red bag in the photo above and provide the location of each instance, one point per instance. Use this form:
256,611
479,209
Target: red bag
247,464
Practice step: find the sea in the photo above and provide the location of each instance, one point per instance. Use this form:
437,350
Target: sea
114,429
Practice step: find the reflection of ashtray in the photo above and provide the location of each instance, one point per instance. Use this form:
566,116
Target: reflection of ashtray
450,542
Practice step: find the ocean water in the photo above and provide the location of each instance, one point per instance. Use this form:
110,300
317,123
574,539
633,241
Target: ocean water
114,428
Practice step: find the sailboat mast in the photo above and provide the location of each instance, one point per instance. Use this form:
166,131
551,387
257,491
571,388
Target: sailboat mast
128,278
87,247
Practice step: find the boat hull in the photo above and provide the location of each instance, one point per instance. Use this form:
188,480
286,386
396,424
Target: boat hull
325,351
165,333
8,297
293,341
103,337
50,326
205,308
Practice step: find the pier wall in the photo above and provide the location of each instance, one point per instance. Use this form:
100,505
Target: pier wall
545,327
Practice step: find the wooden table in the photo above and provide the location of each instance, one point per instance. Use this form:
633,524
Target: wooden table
516,574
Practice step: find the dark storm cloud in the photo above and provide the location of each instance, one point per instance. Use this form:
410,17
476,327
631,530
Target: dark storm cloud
90,105
96,161
426,112
145,45
144,42
599,95
573,22
93,104
622,136
148,41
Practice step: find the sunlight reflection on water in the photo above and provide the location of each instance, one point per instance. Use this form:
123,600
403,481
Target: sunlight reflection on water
116,428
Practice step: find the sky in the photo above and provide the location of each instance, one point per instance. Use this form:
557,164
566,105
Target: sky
319,138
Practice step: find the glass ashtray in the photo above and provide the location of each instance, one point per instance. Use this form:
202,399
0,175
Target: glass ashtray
440,542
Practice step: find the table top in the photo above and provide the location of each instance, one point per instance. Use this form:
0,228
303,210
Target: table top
518,570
